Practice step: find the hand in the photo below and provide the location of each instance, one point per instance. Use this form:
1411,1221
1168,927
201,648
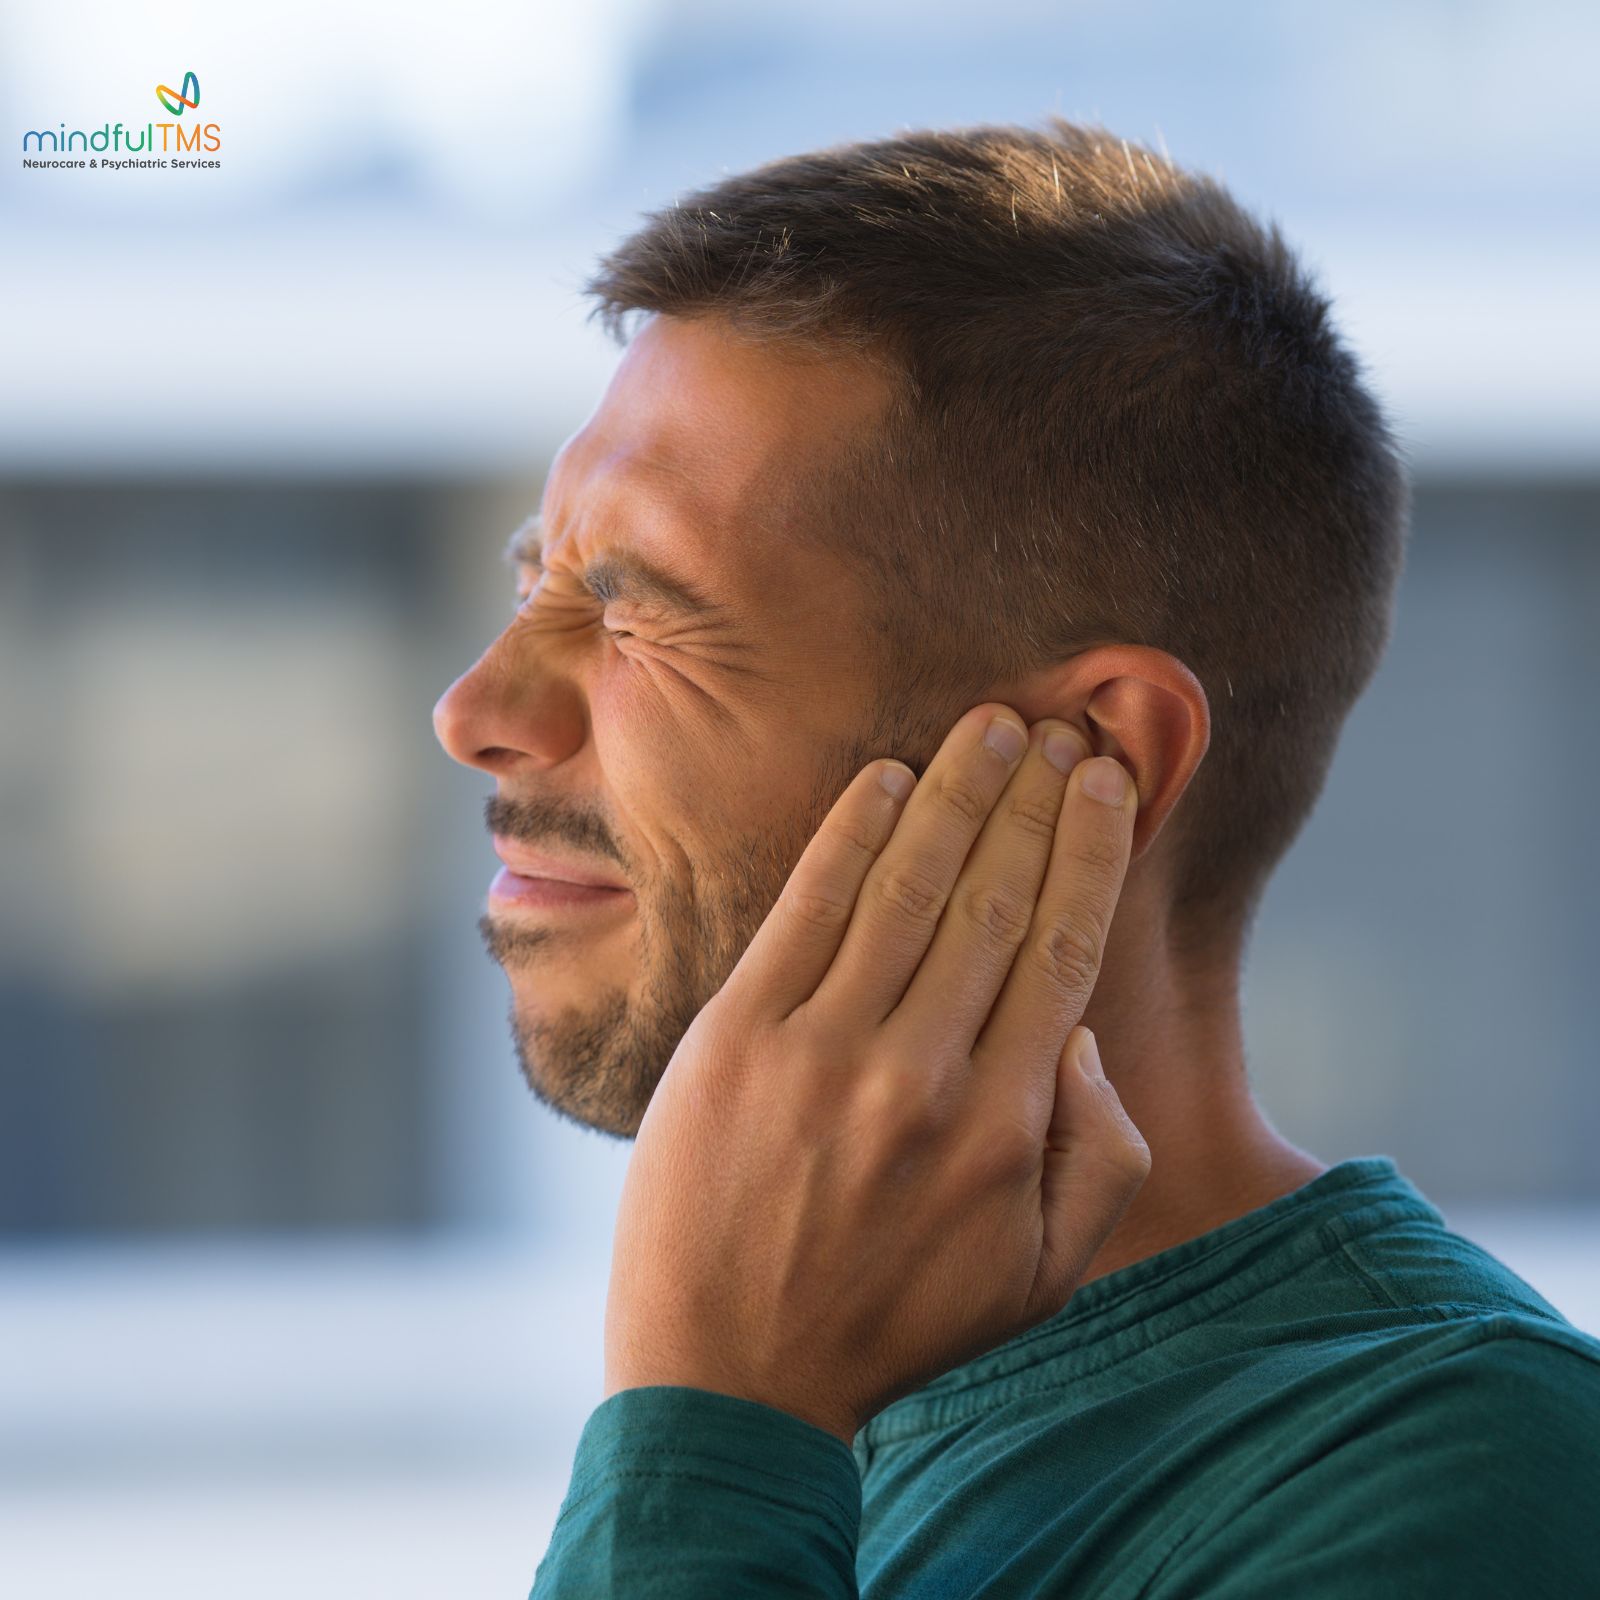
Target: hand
862,1168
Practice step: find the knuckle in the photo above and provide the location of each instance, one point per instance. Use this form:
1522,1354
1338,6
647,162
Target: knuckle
1125,1149
858,840
1034,815
909,894
1133,1152
722,1044
1100,850
1138,1157
1069,955
960,794
1131,1163
998,912
815,1046
903,1103
813,1031
808,909
1107,1169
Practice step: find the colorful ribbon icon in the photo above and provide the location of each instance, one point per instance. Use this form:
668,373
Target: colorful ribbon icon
190,96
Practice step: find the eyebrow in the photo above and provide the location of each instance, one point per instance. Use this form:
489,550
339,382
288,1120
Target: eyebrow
620,575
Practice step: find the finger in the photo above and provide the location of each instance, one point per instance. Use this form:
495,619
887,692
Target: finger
1095,1162
992,905
906,890
1055,970
794,947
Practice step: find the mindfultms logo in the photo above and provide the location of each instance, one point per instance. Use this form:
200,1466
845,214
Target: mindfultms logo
132,147
190,96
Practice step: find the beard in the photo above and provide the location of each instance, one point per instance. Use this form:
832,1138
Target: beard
597,1062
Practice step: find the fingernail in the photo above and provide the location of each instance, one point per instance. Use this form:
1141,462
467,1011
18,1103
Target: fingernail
898,780
1006,738
1089,1058
1064,749
1105,779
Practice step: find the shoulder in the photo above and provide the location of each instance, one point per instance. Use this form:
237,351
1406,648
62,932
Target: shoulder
1505,1355
1486,1397
1468,1466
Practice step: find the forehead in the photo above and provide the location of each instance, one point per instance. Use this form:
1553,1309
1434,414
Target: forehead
694,447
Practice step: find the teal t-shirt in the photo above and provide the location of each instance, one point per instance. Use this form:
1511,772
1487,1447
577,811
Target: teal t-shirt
1331,1396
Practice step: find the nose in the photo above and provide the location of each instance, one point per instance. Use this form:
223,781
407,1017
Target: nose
500,714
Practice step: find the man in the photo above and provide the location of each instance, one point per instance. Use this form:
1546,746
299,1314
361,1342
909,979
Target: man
920,440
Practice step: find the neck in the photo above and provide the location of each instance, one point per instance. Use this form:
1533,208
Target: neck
1170,1039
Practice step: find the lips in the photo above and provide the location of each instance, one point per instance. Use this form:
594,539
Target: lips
527,863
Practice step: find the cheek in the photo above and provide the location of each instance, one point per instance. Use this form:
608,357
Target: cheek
664,741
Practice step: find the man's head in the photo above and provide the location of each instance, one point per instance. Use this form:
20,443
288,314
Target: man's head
982,414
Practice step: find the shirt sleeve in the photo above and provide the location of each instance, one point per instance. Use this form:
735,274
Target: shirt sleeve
1479,1480
679,1492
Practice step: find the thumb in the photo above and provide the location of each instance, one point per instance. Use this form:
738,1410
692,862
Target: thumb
1095,1161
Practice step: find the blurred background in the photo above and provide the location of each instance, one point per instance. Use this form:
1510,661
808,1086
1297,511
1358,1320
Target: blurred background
299,1291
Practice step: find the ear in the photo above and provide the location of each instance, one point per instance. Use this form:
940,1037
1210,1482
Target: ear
1134,702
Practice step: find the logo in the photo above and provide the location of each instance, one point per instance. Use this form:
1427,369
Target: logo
164,146
190,96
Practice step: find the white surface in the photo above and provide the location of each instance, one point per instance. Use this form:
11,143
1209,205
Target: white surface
347,350
384,274
317,1421
350,1420
289,1538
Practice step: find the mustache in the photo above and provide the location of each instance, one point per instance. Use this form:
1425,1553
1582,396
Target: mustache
536,822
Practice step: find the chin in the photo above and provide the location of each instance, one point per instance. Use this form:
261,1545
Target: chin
581,1052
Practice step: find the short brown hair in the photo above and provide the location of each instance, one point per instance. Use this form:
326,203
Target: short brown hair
1122,414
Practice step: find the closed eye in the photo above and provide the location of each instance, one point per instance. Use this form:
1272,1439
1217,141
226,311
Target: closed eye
526,597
